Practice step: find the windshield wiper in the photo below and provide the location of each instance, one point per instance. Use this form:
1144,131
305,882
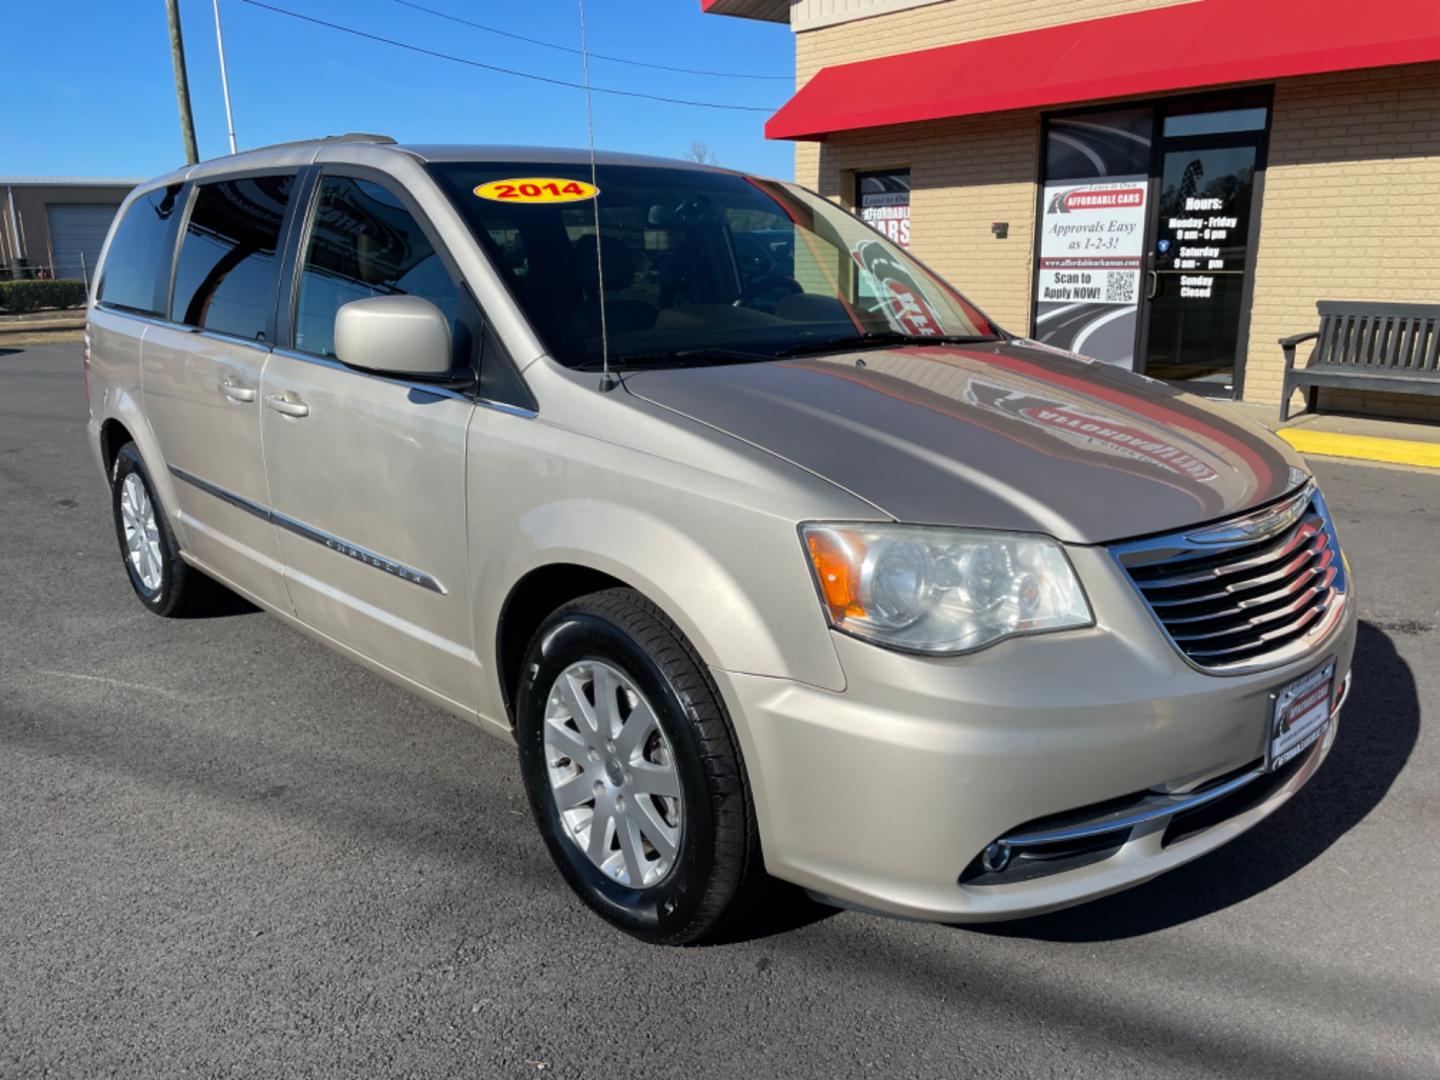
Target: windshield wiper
875,339
703,354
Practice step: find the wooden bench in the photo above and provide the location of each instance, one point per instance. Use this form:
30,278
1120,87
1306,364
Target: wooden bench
1367,346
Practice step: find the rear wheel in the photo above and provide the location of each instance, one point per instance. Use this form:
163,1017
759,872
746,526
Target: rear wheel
632,770
160,578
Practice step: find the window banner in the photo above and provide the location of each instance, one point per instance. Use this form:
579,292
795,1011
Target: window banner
1087,293
885,203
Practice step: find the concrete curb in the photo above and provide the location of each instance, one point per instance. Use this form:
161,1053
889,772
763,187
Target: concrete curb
1363,447
31,326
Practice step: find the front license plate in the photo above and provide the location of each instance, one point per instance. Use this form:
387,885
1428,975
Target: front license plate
1300,714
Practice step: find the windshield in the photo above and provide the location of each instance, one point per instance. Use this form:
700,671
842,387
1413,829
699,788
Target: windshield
697,265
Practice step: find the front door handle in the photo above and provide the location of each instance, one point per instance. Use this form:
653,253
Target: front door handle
1154,285
287,406
235,390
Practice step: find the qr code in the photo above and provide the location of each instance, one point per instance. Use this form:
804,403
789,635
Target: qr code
1120,286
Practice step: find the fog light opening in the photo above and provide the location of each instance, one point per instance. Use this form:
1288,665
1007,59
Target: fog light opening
996,857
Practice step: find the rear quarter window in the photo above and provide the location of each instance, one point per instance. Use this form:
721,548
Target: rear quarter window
136,274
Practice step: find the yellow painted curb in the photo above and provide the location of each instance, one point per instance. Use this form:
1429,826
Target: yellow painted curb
1364,447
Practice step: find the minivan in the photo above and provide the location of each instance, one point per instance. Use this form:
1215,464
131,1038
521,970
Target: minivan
773,555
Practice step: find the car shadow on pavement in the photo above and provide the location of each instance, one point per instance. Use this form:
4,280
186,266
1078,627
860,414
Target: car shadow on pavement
1377,732
223,604
779,908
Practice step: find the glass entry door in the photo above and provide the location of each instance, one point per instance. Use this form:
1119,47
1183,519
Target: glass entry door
1200,260
1145,231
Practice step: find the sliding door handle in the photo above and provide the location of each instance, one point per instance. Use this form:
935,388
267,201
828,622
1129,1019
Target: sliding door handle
236,390
286,405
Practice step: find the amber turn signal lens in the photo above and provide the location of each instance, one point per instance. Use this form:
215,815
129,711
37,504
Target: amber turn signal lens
837,558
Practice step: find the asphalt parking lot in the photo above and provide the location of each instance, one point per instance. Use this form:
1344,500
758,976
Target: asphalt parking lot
226,851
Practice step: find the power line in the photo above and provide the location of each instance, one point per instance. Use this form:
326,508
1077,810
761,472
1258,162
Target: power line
593,55
502,70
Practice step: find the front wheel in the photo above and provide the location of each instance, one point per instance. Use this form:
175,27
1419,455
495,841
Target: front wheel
632,770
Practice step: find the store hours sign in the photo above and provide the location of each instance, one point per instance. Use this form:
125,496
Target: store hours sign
1091,252
1200,241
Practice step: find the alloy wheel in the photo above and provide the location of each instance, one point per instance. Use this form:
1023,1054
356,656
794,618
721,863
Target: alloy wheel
612,774
142,532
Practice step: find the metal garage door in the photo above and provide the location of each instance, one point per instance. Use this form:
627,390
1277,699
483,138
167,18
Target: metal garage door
77,230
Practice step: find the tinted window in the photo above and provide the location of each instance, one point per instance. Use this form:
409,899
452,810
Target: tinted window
137,268
1211,123
363,243
1099,145
225,279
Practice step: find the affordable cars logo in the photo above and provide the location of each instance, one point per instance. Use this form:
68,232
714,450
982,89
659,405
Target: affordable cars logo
1109,198
899,295
1090,430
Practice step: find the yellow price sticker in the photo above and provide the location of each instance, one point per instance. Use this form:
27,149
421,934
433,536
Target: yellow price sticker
537,189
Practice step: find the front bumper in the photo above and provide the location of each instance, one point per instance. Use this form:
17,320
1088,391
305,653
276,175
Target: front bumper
883,796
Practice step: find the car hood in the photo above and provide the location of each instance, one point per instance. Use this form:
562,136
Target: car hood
1013,436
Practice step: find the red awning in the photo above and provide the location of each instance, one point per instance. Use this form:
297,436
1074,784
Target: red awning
1204,43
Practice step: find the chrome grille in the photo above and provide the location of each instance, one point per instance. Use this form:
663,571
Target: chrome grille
1252,592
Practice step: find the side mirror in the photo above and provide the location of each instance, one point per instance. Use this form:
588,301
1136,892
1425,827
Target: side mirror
397,335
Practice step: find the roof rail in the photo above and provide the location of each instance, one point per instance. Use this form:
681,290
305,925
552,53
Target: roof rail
359,136
347,137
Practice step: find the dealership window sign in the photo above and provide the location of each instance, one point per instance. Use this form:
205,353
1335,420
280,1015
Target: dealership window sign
884,201
1091,248
1091,232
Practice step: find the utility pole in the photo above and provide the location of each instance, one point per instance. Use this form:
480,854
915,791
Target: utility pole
182,81
224,76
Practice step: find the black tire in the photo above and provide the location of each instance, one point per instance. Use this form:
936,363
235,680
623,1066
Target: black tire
182,590
718,869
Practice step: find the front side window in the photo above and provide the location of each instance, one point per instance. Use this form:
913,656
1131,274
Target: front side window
693,260
363,243
226,275
136,275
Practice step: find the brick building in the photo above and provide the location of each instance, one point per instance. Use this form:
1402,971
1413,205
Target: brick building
1165,185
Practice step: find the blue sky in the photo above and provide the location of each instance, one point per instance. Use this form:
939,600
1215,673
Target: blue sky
108,108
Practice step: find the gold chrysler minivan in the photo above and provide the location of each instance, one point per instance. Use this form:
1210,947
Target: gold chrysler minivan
770,552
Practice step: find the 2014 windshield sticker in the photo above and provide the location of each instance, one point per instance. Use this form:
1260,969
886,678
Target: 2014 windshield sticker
537,189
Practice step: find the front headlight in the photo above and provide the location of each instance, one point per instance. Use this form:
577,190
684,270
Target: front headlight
940,591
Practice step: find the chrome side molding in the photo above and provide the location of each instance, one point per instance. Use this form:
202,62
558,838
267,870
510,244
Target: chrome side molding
309,532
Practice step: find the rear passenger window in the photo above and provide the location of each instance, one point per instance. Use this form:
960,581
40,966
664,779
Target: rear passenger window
136,275
229,262
363,242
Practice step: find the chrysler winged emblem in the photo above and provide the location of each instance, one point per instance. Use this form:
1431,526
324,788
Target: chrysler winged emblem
1257,526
